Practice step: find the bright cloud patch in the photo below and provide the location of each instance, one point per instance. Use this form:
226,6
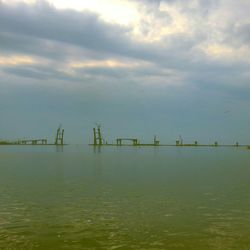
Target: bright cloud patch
116,11
16,60
106,63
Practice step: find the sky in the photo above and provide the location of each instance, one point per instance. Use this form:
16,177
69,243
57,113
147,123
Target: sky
139,68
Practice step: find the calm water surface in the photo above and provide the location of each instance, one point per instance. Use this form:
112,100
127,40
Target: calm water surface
124,198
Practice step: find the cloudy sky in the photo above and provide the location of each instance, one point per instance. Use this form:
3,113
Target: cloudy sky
139,68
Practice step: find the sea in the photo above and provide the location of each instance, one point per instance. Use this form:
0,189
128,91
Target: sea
124,198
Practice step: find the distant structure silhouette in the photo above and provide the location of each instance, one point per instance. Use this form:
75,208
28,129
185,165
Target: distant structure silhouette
156,142
98,140
59,140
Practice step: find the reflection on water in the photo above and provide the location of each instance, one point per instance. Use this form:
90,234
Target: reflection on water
59,148
124,198
97,149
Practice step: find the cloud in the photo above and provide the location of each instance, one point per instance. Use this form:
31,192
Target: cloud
242,33
180,60
43,30
39,73
45,22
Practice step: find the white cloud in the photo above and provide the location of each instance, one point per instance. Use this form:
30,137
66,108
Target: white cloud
113,11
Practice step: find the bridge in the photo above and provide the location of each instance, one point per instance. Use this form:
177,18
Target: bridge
134,141
33,142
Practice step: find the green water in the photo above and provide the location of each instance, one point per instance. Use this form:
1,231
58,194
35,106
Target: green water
124,198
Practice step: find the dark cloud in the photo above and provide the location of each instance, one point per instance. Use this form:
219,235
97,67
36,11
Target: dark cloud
39,73
42,30
43,21
12,43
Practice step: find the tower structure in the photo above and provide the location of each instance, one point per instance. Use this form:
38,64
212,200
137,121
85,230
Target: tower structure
156,142
59,136
98,140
